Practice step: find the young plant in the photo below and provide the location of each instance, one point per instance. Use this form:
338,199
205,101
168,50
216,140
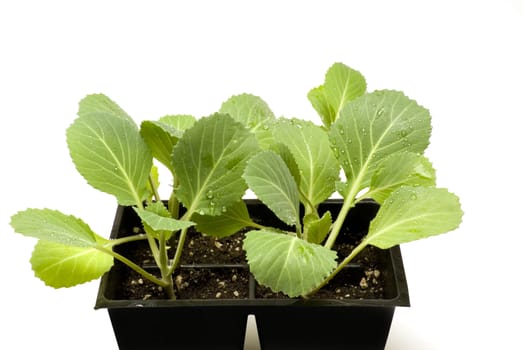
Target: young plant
378,139
206,158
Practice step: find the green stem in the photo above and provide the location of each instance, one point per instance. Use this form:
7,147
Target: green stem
255,225
153,187
167,284
179,249
118,241
345,261
164,267
155,250
336,226
299,232
132,265
309,206
174,206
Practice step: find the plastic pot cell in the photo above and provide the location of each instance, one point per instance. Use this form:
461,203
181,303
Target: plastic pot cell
338,321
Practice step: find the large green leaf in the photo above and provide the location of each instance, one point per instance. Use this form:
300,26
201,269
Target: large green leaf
231,220
373,127
286,263
99,103
53,226
269,178
109,152
252,112
209,161
61,265
400,169
342,84
412,213
310,148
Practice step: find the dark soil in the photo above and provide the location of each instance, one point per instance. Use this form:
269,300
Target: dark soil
195,279
191,283
198,249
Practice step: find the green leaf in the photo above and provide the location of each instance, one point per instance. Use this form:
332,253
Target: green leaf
342,84
161,139
373,127
286,263
310,148
269,178
159,222
316,229
209,160
61,265
320,102
109,152
158,209
285,154
252,112
101,104
400,169
231,220
54,226
161,136
178,122
412,213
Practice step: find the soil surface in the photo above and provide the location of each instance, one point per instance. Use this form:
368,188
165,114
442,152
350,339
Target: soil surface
363,279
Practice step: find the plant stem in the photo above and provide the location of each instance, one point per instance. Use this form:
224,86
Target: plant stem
341,265
174,206
336,226
309,207
153,187
299,232
154,249
164,267
167,284
179,248
255,225
132,265
118,241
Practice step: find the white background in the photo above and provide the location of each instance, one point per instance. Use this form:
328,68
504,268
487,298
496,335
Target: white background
461,59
